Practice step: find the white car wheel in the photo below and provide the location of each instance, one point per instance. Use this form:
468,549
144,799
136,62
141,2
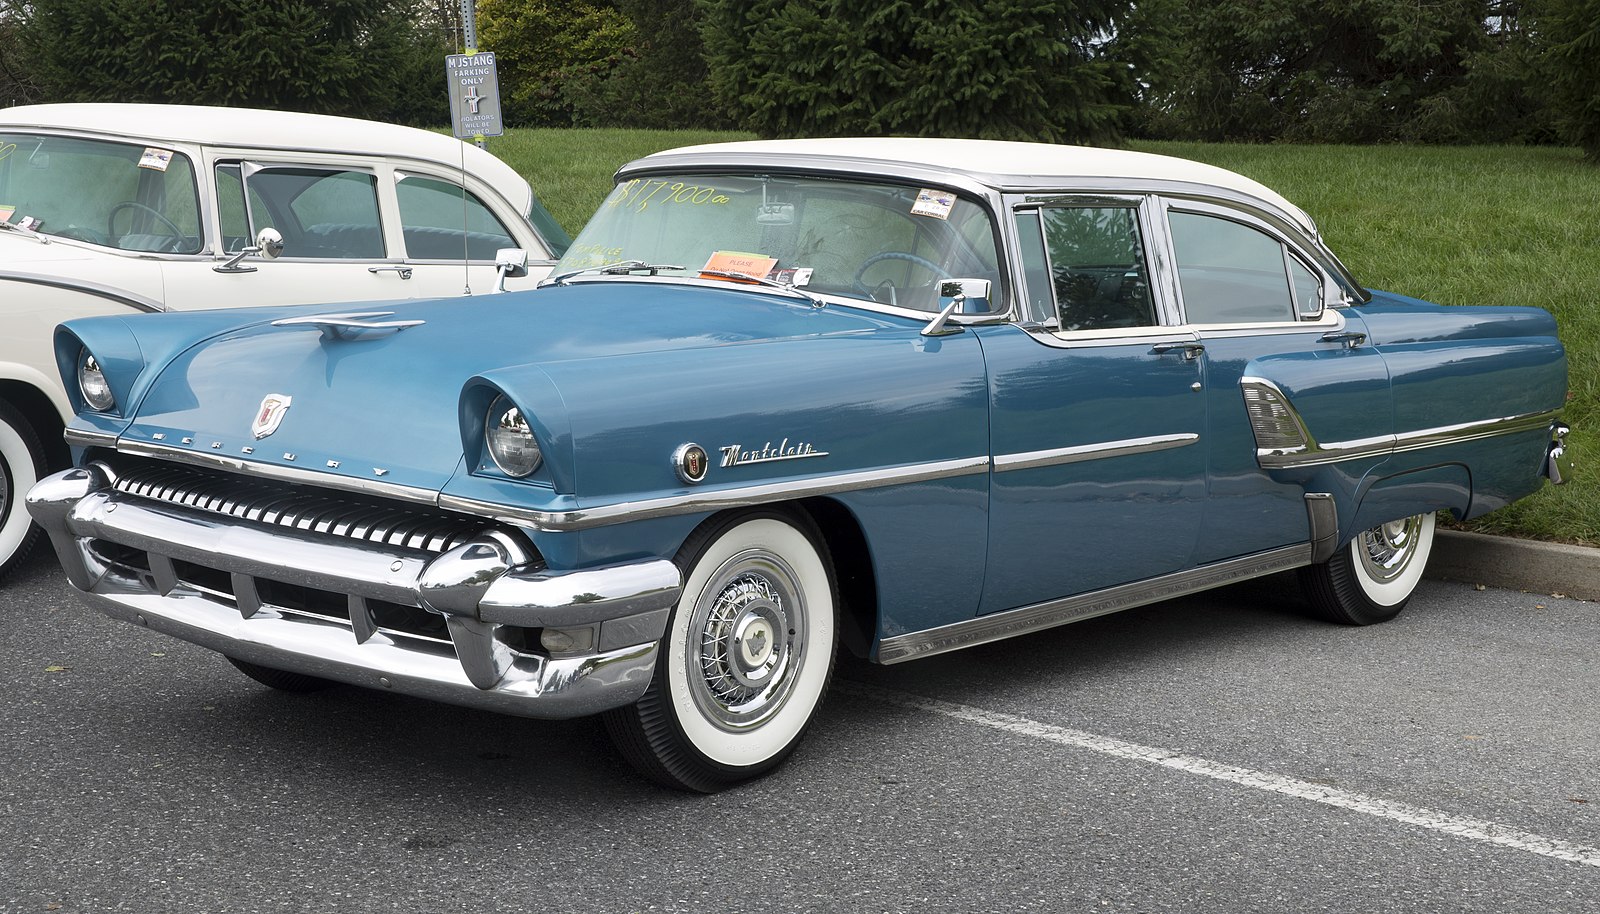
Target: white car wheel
745,662
22,463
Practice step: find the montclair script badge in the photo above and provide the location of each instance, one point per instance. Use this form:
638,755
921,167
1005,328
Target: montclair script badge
691,462
270,415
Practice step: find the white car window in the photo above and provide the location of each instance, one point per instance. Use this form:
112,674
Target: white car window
432,216
122,195
322,213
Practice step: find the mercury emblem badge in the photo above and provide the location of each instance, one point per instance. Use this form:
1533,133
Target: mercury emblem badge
691,462
270,415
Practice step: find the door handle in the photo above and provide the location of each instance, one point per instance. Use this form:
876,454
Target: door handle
1191,349
1350,338
404,271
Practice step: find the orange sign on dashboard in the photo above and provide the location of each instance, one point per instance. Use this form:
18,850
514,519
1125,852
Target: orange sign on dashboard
738,262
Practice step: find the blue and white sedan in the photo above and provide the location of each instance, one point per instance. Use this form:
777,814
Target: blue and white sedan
891,396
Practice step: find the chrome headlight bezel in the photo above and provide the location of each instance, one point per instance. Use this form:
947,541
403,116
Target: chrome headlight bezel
509,439
93,385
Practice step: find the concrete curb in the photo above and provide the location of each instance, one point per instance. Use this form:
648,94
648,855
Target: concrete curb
1513,564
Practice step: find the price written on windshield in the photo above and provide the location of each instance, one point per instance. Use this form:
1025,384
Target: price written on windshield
637,194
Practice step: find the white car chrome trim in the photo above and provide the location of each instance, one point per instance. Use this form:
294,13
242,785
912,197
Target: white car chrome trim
120,296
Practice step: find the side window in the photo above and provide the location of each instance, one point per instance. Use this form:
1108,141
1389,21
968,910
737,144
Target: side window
321,212
1230,272
1097,267
432,216
1307,290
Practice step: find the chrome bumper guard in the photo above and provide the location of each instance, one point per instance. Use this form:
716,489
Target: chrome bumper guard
620,611
1558,464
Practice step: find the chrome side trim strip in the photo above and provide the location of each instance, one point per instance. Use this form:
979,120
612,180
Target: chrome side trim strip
110,293
269,471
1315,453
695,502
689,503
83,437
1473,431
1040,616
1082,452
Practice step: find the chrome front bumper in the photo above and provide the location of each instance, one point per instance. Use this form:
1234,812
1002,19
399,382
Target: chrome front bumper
483,589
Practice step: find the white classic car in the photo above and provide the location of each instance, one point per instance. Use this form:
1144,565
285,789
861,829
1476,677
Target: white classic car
110,209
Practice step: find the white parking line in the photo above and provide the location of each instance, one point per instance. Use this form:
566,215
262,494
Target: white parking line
1460,826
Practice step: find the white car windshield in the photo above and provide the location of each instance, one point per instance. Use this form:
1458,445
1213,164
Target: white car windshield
122,195
885,243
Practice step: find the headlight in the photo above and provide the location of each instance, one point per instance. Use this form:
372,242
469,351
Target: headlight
92,383
510,440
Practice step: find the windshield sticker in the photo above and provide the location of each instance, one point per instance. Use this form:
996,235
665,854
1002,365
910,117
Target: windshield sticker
935,203
739,262
6,212
7,150
157,159
638,195
792,276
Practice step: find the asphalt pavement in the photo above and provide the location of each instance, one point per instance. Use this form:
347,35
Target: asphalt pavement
1221,753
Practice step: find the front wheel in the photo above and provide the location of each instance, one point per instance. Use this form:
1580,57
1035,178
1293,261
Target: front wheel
22,463
746,659
1371,579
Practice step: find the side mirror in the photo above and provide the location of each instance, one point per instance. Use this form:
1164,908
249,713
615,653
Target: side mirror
971,296
511,262
269,245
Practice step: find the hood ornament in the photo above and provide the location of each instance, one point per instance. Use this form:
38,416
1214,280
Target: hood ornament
270,414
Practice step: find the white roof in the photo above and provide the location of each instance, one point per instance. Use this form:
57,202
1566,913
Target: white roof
1010,162
261,129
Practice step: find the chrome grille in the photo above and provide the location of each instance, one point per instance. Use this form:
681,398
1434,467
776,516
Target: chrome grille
297,507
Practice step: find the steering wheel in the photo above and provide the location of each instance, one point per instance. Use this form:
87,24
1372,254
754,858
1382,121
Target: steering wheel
860,285
81,233
111,219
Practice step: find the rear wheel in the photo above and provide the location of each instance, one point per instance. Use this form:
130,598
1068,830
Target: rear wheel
282,680
746,659
22,463
1371,579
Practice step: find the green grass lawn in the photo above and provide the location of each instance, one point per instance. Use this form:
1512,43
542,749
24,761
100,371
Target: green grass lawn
1466,226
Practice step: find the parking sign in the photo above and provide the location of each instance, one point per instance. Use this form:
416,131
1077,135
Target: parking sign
474,95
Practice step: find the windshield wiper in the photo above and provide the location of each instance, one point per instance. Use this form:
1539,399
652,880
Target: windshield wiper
789,287
619,268
24,231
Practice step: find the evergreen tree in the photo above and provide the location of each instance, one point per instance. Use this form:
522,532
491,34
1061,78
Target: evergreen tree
543,48
1350,71
333,56
1006,69
1573,27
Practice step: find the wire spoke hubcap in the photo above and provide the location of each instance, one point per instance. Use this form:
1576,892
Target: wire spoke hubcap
746,640
1386,550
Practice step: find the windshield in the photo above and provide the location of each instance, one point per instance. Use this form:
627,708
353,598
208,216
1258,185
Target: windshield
874,242
128,196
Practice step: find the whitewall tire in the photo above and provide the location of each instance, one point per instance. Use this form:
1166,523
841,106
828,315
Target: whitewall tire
1372,577
746,660
22,463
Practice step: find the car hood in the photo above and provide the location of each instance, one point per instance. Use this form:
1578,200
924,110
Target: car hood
387,405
